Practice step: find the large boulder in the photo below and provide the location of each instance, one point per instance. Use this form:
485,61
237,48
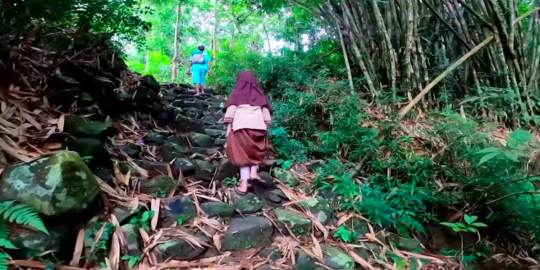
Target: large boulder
53,185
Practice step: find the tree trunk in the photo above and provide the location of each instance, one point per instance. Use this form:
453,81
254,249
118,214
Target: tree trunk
214,33
176,42
346,57
268,40
147,66
231,43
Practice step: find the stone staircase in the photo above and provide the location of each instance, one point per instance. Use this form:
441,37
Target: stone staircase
212,218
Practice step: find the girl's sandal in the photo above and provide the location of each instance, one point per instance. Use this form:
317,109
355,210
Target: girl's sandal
239,192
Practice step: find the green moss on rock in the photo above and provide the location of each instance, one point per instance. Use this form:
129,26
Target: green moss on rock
297,223
53,185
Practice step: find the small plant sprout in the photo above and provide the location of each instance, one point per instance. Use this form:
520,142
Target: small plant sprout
470,224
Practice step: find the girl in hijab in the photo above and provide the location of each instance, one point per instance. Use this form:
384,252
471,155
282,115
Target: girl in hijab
248,116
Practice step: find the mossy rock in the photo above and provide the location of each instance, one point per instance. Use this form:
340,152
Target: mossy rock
154,138
200,140
215,133
246,233
204,170
159,186
297,223
185,166
31,242
80,127
53,185
246,204
218,209
319,207
333,258
409,244
134,239
182,209
180,249
357,225
132,150
171,151
286,177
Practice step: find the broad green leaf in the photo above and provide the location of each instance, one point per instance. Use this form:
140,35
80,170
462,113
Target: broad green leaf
86,97
448,224
402,264
287,164
133,261
520,135
488,150
145,216
510,155
94,127
488,157
470,219
471,229
478,224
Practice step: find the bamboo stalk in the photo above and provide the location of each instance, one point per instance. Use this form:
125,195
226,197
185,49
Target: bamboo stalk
439,78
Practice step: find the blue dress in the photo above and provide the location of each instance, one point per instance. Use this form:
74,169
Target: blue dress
199,70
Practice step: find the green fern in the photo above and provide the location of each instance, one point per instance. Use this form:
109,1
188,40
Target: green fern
21,214
12,212
4,261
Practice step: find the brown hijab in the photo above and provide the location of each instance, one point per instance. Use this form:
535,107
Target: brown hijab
247,91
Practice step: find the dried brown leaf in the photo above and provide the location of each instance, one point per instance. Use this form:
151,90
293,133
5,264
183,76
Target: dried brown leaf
114,254
317,251
155,205
217,241
77,252
61,122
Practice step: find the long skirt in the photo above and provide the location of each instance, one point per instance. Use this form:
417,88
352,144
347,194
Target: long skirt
247,147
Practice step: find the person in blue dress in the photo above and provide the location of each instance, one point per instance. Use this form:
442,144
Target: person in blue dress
199,67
